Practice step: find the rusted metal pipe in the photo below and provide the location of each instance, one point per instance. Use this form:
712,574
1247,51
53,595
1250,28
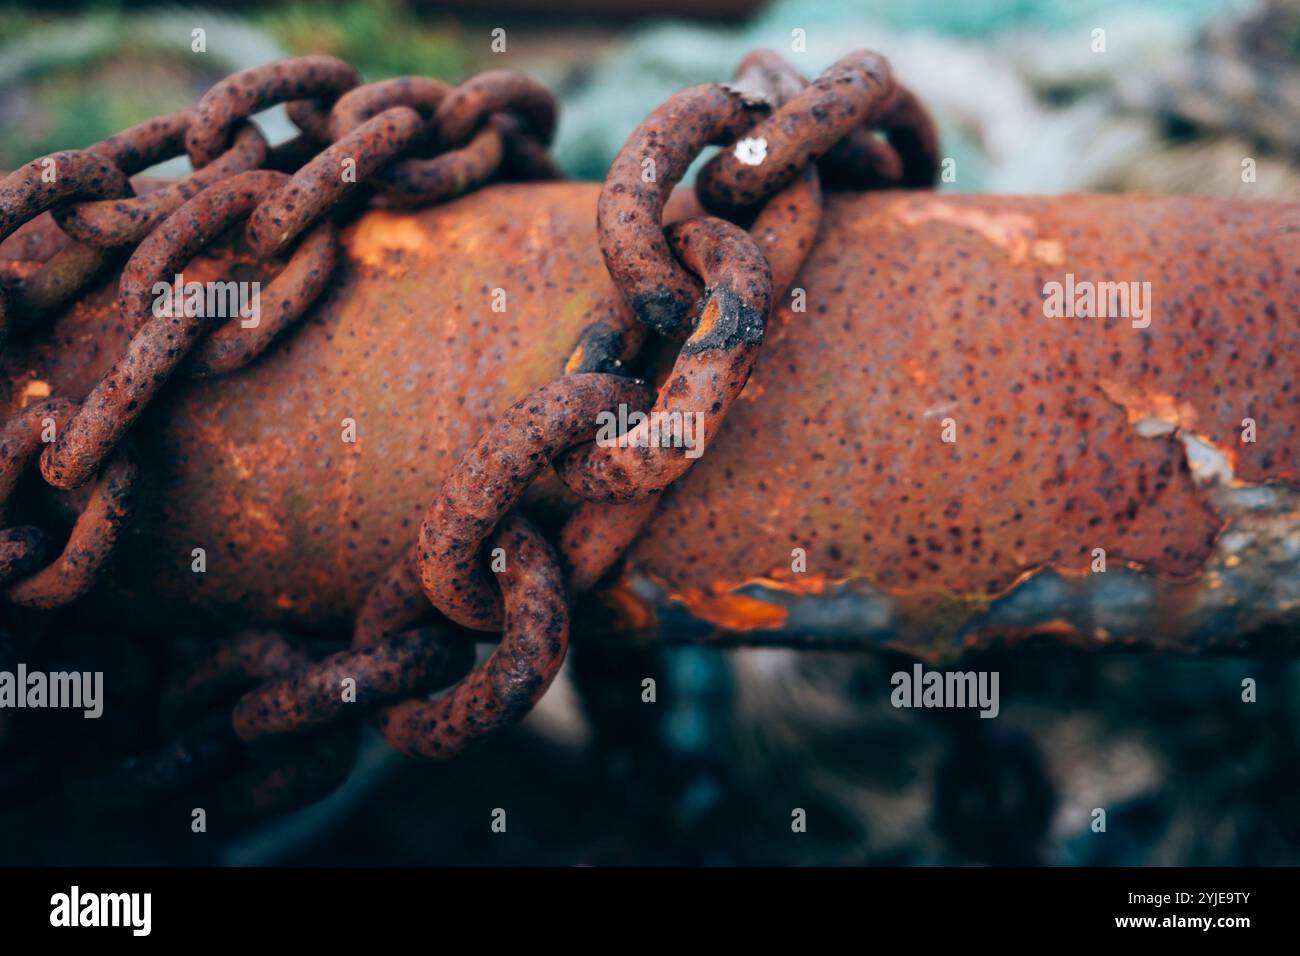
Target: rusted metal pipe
924,321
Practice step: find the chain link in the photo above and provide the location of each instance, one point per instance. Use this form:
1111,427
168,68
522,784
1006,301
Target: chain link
658,272
124,222
88,195
412,140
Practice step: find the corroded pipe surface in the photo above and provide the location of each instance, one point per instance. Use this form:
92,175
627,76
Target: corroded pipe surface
924,320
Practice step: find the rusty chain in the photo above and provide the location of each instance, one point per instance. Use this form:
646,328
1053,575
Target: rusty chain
707,282
658,272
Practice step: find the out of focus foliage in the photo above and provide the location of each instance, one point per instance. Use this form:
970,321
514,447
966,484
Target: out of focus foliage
68,79
382,38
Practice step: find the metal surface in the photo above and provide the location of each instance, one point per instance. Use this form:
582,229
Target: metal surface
124,222
853,92
920,307
491,479
535,636
164,341
342,151
906,446
298,82
94,536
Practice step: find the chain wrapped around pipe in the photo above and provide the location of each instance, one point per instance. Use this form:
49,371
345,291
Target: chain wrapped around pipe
94,536
655,270
707,283
40,185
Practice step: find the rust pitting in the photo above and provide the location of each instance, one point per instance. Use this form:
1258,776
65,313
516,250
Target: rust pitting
491,479
924,317
162,342
519,671
708,375
312,695
299,81
110,223
321,184
906,332
1057,468
630,211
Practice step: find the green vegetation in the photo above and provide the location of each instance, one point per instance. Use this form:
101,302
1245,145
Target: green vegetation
70,79
381,38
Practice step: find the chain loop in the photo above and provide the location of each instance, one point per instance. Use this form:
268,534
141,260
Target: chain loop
629,212
397,666
94,536
241,95
712,368
620,485
54,284
415,181
283,302
415,140
470,105
598,533
492,477
514,678
40,185
854,90
504,115
72,174
325,181
21,439
124,222
163,342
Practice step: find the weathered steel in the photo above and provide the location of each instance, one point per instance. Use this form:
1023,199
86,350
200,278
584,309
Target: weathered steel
417,661
326,180
491,478
850,94
309,84
1072,433
659,289
163,340
124,222
534,640
94,536
711,370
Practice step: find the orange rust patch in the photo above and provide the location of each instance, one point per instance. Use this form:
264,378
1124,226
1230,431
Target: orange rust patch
575,361
752,390
1139,405
708,319
791,582
733,612
32,391
1057,627
627,611
918,373
1046,467
1016,234
375,237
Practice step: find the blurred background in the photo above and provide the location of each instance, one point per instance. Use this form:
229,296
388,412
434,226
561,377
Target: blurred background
1187,772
